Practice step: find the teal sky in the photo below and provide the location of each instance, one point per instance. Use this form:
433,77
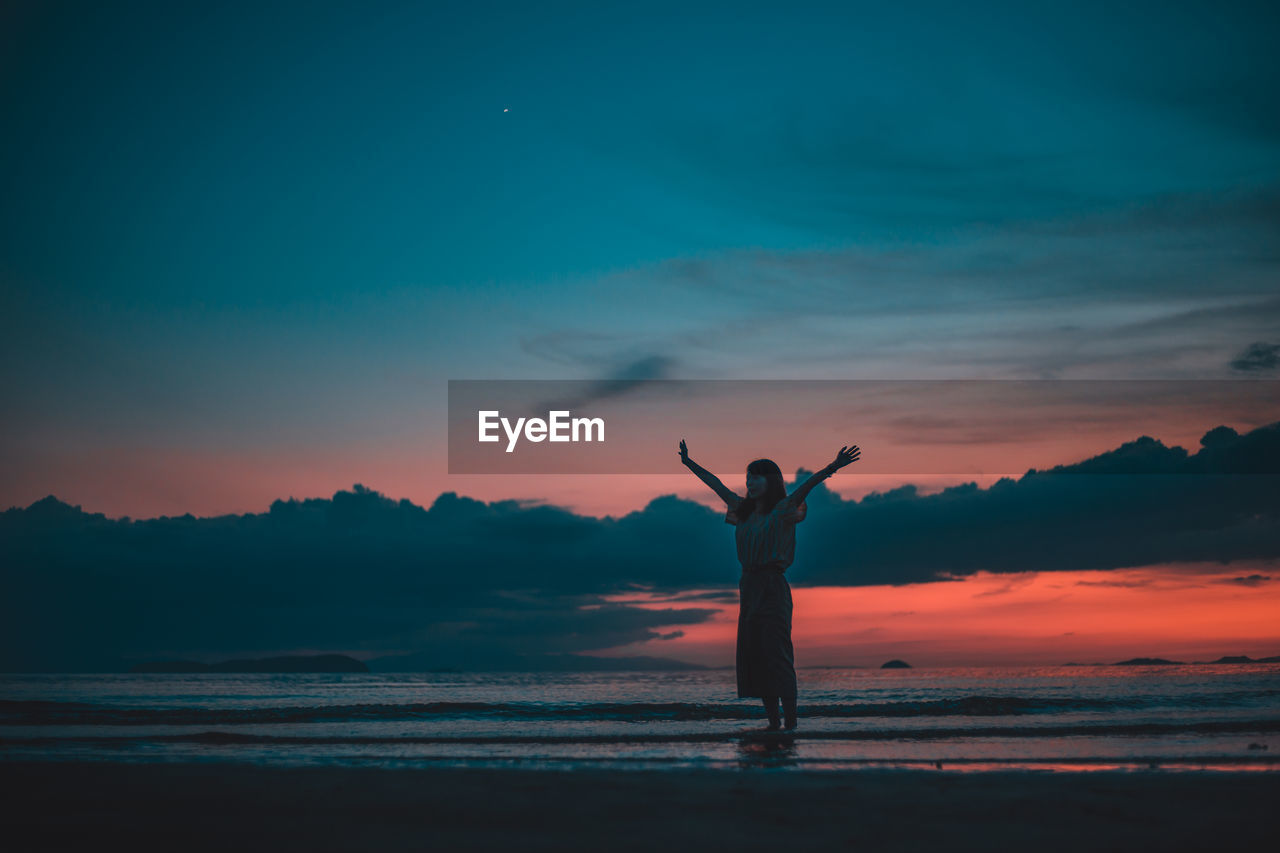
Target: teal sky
237,232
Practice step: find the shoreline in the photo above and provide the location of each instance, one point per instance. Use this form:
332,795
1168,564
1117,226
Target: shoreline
755,761
217,805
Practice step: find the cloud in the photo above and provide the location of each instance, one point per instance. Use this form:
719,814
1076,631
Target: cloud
463,584
1013,585
1164,285
1257,357
1140,504
1250,580
467,583
621,381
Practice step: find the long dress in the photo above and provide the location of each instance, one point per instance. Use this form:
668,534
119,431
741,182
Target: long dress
766,547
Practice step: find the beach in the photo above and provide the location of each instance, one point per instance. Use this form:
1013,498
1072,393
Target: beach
225,805
1110,758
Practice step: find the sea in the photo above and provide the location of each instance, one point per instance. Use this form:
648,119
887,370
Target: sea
1212,717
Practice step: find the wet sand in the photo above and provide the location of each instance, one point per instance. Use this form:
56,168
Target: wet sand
226,806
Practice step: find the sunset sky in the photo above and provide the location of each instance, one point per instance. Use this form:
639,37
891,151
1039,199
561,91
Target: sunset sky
1186,612
244,250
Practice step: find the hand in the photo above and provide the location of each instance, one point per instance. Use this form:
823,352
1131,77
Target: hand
847,454
684,452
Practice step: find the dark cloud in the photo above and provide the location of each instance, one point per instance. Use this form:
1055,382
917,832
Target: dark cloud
1140,504
621,381
464,583
467,583
1257,357
1250,580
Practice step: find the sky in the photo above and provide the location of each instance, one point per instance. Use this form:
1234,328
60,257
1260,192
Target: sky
245,247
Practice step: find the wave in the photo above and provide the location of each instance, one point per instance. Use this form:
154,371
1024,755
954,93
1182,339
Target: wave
37,712
1258,726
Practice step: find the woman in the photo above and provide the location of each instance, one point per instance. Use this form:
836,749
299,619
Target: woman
766,538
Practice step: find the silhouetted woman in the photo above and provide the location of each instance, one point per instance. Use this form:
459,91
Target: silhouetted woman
766,537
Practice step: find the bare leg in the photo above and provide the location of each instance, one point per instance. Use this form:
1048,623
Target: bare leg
789,710
771,708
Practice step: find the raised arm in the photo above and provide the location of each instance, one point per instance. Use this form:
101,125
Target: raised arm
726,494
847,454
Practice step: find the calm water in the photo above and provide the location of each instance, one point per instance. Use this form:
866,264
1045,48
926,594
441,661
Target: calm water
1076,718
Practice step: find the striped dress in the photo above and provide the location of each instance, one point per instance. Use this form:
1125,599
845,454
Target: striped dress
766,547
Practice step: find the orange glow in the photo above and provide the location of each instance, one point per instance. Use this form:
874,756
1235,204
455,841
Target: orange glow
1185,612
146,482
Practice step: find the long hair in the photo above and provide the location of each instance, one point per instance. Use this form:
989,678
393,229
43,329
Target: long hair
774,489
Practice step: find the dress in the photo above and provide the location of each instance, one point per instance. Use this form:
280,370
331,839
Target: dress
766,547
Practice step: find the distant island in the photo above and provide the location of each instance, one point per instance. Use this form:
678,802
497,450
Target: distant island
1147,662
288,663
530,663
1163,662
895,664
1243,659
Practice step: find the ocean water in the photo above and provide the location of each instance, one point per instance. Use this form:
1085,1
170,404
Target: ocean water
1175,718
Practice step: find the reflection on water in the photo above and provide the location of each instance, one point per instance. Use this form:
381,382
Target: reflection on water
767,749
